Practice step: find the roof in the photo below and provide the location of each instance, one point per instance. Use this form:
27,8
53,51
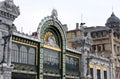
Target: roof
97,28
113,21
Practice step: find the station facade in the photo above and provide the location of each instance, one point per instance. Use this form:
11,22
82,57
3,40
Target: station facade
45,54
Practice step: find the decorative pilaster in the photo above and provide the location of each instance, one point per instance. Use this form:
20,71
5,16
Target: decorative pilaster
41,65
83,66
6,71
63,67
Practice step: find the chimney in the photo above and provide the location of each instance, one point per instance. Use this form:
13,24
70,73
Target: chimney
77,26
65,27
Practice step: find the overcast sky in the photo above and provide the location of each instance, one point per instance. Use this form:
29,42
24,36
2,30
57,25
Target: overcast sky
93,12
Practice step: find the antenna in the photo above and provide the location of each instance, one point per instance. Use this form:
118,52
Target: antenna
82,23
53,5
29,32
81,18
112,8
21,29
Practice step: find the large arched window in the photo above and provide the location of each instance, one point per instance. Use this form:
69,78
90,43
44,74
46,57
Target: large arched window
52,51
23,55
14,54
31,56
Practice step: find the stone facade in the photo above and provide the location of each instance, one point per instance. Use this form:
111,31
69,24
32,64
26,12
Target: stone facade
52,52
105,42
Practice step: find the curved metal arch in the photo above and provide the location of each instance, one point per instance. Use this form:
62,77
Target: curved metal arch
48,22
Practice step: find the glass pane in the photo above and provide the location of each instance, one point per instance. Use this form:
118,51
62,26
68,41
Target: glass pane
14,54
98,74
23,55
72,65
105,74
31,56
91,71
51,61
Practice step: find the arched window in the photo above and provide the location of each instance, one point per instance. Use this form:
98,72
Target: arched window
31,56
14,54
23,55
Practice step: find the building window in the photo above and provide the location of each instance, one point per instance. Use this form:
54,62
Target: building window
14,54
99,34
105,74
118,49
93,34
31,56
98,74
104,33
94,47
51,61
73,35
72,66
99,48
91,73
114,34
103,47
23,55
115,48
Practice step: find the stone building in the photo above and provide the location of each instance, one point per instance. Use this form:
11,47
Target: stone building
106,42
52,52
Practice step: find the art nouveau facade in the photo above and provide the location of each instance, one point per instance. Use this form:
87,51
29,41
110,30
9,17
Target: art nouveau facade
44,54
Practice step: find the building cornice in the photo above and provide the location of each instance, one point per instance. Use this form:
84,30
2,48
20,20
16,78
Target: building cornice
26,36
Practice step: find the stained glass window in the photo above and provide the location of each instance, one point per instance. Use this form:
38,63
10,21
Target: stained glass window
51,60
50,39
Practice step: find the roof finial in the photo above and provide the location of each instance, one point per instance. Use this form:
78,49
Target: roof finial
112,9
10,1
54,13
81,17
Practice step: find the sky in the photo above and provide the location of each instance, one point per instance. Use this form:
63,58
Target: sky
70,12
